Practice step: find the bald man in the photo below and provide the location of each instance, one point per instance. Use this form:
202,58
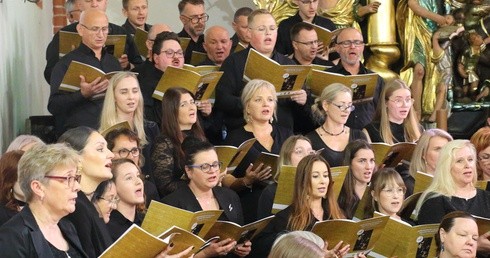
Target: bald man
131,55
73,109
217,44
350,45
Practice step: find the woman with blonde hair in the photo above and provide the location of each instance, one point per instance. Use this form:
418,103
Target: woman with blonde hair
259,108
395,119
481,141
124,102
453,186
331,110
298,244
427,151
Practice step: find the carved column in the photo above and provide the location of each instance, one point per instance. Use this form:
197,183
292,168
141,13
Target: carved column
382,40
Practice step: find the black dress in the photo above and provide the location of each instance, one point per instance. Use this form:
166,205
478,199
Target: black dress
250,197
435,208
118,224
333,157
262,244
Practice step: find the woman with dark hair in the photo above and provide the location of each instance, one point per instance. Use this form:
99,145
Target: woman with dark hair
130,209
202,192
457,235
292,151
12,198
359,156
179,120
313,200
95,168
105,199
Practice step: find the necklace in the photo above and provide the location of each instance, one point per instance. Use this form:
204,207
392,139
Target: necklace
333,134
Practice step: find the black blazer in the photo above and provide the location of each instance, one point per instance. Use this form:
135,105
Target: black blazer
22,237
227,199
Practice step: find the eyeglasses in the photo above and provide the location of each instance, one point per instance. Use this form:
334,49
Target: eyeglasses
70,180
308,1
114,201
206,167
399,102
348,43
169,53
312,43
96,30
264,29
124,153
184,104
344,107
394,191
196,19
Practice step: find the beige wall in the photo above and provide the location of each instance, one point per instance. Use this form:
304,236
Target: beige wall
26,30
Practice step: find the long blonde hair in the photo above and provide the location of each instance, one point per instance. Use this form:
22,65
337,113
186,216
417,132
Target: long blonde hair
412,132
109,116
443,182
418,162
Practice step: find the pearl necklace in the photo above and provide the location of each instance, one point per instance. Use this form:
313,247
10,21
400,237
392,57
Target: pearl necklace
333,134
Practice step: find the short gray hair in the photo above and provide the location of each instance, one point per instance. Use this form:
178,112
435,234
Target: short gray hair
40,161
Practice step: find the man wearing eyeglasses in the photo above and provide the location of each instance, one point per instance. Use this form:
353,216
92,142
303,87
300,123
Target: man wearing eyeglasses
79,108
194,18
305,45
136,12
307,12
350,46
129,59
263,32
166,51
72,8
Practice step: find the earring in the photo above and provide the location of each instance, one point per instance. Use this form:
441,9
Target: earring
442,247
271,120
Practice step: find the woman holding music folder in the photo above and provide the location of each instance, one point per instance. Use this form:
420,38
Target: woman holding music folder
179,116
395,119
292,151
387,191
124,102
259,108
453,187
50,179
332,109
359,156
313,200
202,192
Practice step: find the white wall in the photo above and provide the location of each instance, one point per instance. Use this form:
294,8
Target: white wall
25,31
166,11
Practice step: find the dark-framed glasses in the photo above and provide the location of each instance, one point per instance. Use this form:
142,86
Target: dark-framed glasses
124,153
196,19
206,167
69,180
170,53
348,108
